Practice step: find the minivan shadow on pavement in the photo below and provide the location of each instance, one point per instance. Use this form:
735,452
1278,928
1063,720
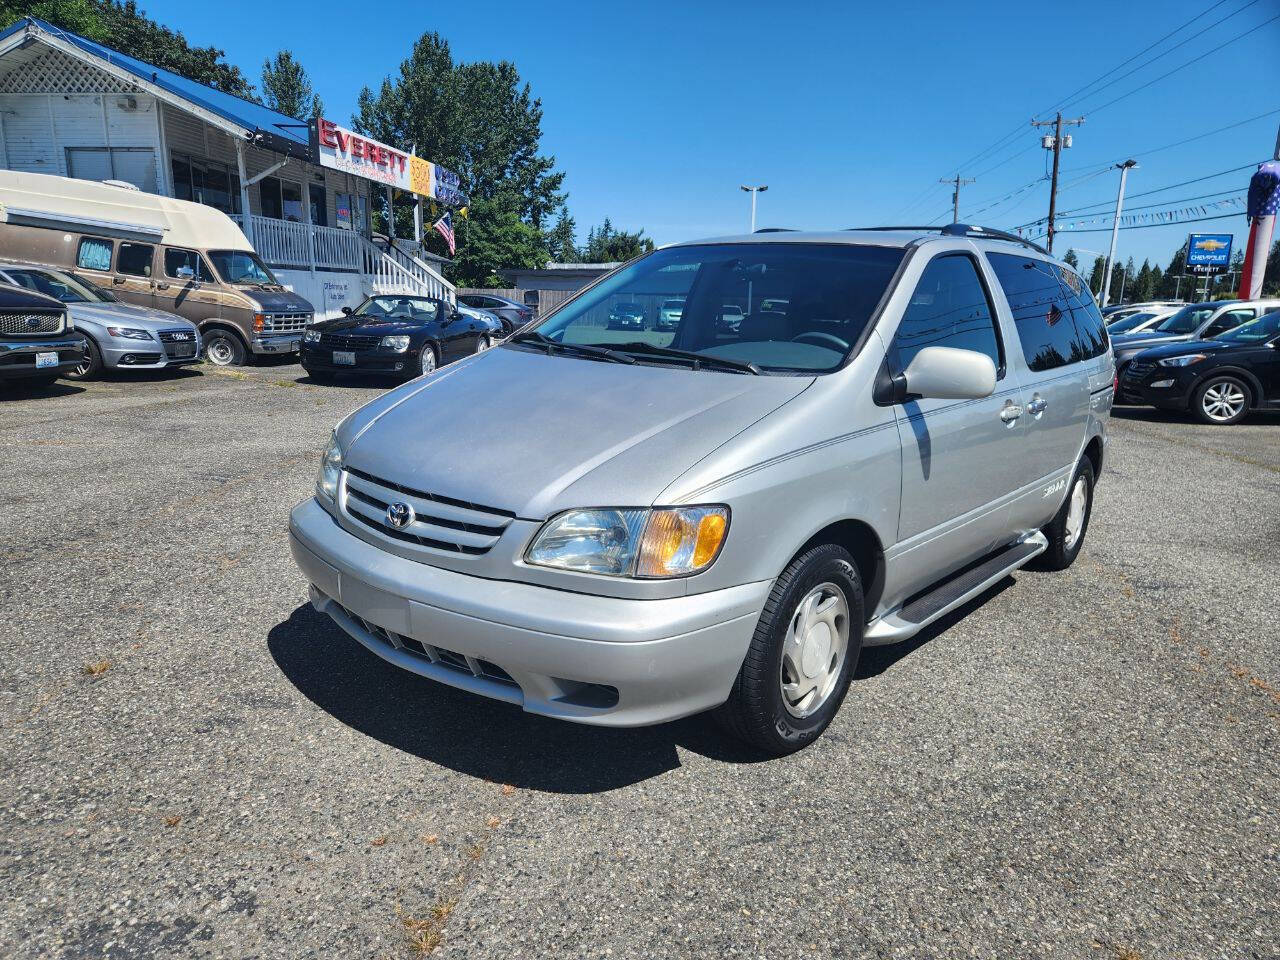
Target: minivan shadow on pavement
500,742
475,735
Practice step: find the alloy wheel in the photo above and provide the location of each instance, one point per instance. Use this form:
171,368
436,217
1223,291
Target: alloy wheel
428,362
814,650
1223,401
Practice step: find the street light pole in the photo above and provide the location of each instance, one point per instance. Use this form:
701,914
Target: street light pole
1124,169
753,191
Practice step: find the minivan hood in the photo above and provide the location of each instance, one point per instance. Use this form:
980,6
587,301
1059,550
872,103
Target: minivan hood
147,318
535,434
276,301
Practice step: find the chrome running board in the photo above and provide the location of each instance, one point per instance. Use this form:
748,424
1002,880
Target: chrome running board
920,611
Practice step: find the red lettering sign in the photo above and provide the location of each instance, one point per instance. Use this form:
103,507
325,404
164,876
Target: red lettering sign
326,130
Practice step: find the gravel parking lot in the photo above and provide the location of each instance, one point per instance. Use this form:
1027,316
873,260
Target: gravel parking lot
193,763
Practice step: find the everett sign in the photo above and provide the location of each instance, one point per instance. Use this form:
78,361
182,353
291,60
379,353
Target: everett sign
341,149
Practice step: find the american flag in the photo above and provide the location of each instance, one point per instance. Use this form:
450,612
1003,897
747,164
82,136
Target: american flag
444,226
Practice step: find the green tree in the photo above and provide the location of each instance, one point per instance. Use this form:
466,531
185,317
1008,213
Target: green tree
560,241
481,121
1095,275
1071,259
495,237
1142,284
605,244
122,26
286,88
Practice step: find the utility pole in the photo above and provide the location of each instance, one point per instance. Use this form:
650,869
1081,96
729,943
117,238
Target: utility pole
955,195
1055,143
754,191
1124,169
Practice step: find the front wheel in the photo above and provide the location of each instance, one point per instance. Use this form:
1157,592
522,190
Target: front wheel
483,344
1066,530
802,656
1221,401
223,349
427,361
90,365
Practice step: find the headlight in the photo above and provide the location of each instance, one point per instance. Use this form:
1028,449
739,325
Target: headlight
632,542
398,344
311,336
330,470
130,333
1182,361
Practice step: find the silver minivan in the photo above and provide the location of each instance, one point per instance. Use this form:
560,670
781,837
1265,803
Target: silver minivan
623,527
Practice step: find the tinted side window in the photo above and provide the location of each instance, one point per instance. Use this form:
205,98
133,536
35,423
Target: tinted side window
175,260
1091,328
1228,321
949,308
94,254
134,259
1040,310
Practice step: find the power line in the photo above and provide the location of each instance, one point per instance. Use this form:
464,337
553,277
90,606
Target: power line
1148,226
1184,66
1171,186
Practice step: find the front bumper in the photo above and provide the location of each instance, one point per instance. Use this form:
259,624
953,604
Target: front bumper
18,357
381,363
283,343
1174,391
119,354
591,659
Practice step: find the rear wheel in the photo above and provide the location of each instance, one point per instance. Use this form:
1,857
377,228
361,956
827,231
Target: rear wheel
1222,401
91,365
802,656
222,348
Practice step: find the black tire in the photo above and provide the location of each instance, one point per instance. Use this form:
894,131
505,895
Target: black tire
755,711
422,371
1063,550
222,348
1225,388
91,367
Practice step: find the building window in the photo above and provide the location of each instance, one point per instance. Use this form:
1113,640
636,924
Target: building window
281,199
206,181
319,210
136,165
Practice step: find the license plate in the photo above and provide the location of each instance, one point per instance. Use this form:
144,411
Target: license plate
44,360
184,350
344,357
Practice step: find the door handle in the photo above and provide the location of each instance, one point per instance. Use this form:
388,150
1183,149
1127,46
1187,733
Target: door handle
162,286
117,280
1037,406
1010,412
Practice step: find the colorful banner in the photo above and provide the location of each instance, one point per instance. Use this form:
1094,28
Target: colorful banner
338,148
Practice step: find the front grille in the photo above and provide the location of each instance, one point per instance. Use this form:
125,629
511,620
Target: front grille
286,322
177,336
178,344
471,666
18,324
340,341
440,523
1137,369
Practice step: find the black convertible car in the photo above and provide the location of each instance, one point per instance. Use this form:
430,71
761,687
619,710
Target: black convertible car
395,335
1218,380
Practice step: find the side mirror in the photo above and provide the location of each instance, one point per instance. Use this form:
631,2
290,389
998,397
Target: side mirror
184,273
347,311
946,373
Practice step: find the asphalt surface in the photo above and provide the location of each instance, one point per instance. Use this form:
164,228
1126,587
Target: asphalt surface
193,763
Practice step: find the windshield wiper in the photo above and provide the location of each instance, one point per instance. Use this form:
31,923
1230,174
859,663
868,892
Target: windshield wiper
697,359
582,349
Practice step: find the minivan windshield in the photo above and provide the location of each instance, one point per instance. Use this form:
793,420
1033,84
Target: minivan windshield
797,307
1187,320
56,284
241,266
1255,331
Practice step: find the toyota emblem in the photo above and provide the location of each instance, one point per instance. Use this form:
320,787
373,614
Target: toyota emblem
399,515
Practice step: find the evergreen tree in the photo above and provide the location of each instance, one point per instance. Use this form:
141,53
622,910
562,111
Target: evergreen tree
1095,275
606,244
1071,259
1142,284
285,88
560,242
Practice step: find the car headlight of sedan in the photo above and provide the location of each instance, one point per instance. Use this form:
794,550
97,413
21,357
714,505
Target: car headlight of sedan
130,333
642,543
1182,361
330,470
311,336
398,344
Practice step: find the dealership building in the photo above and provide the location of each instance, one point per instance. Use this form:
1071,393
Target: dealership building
302,192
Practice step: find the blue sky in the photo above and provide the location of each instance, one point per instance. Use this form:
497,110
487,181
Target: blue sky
850,112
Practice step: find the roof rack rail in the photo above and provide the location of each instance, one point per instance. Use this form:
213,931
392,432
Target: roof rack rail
776,230
967,230
973,230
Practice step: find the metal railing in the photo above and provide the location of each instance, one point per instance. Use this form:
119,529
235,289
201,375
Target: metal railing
287,244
